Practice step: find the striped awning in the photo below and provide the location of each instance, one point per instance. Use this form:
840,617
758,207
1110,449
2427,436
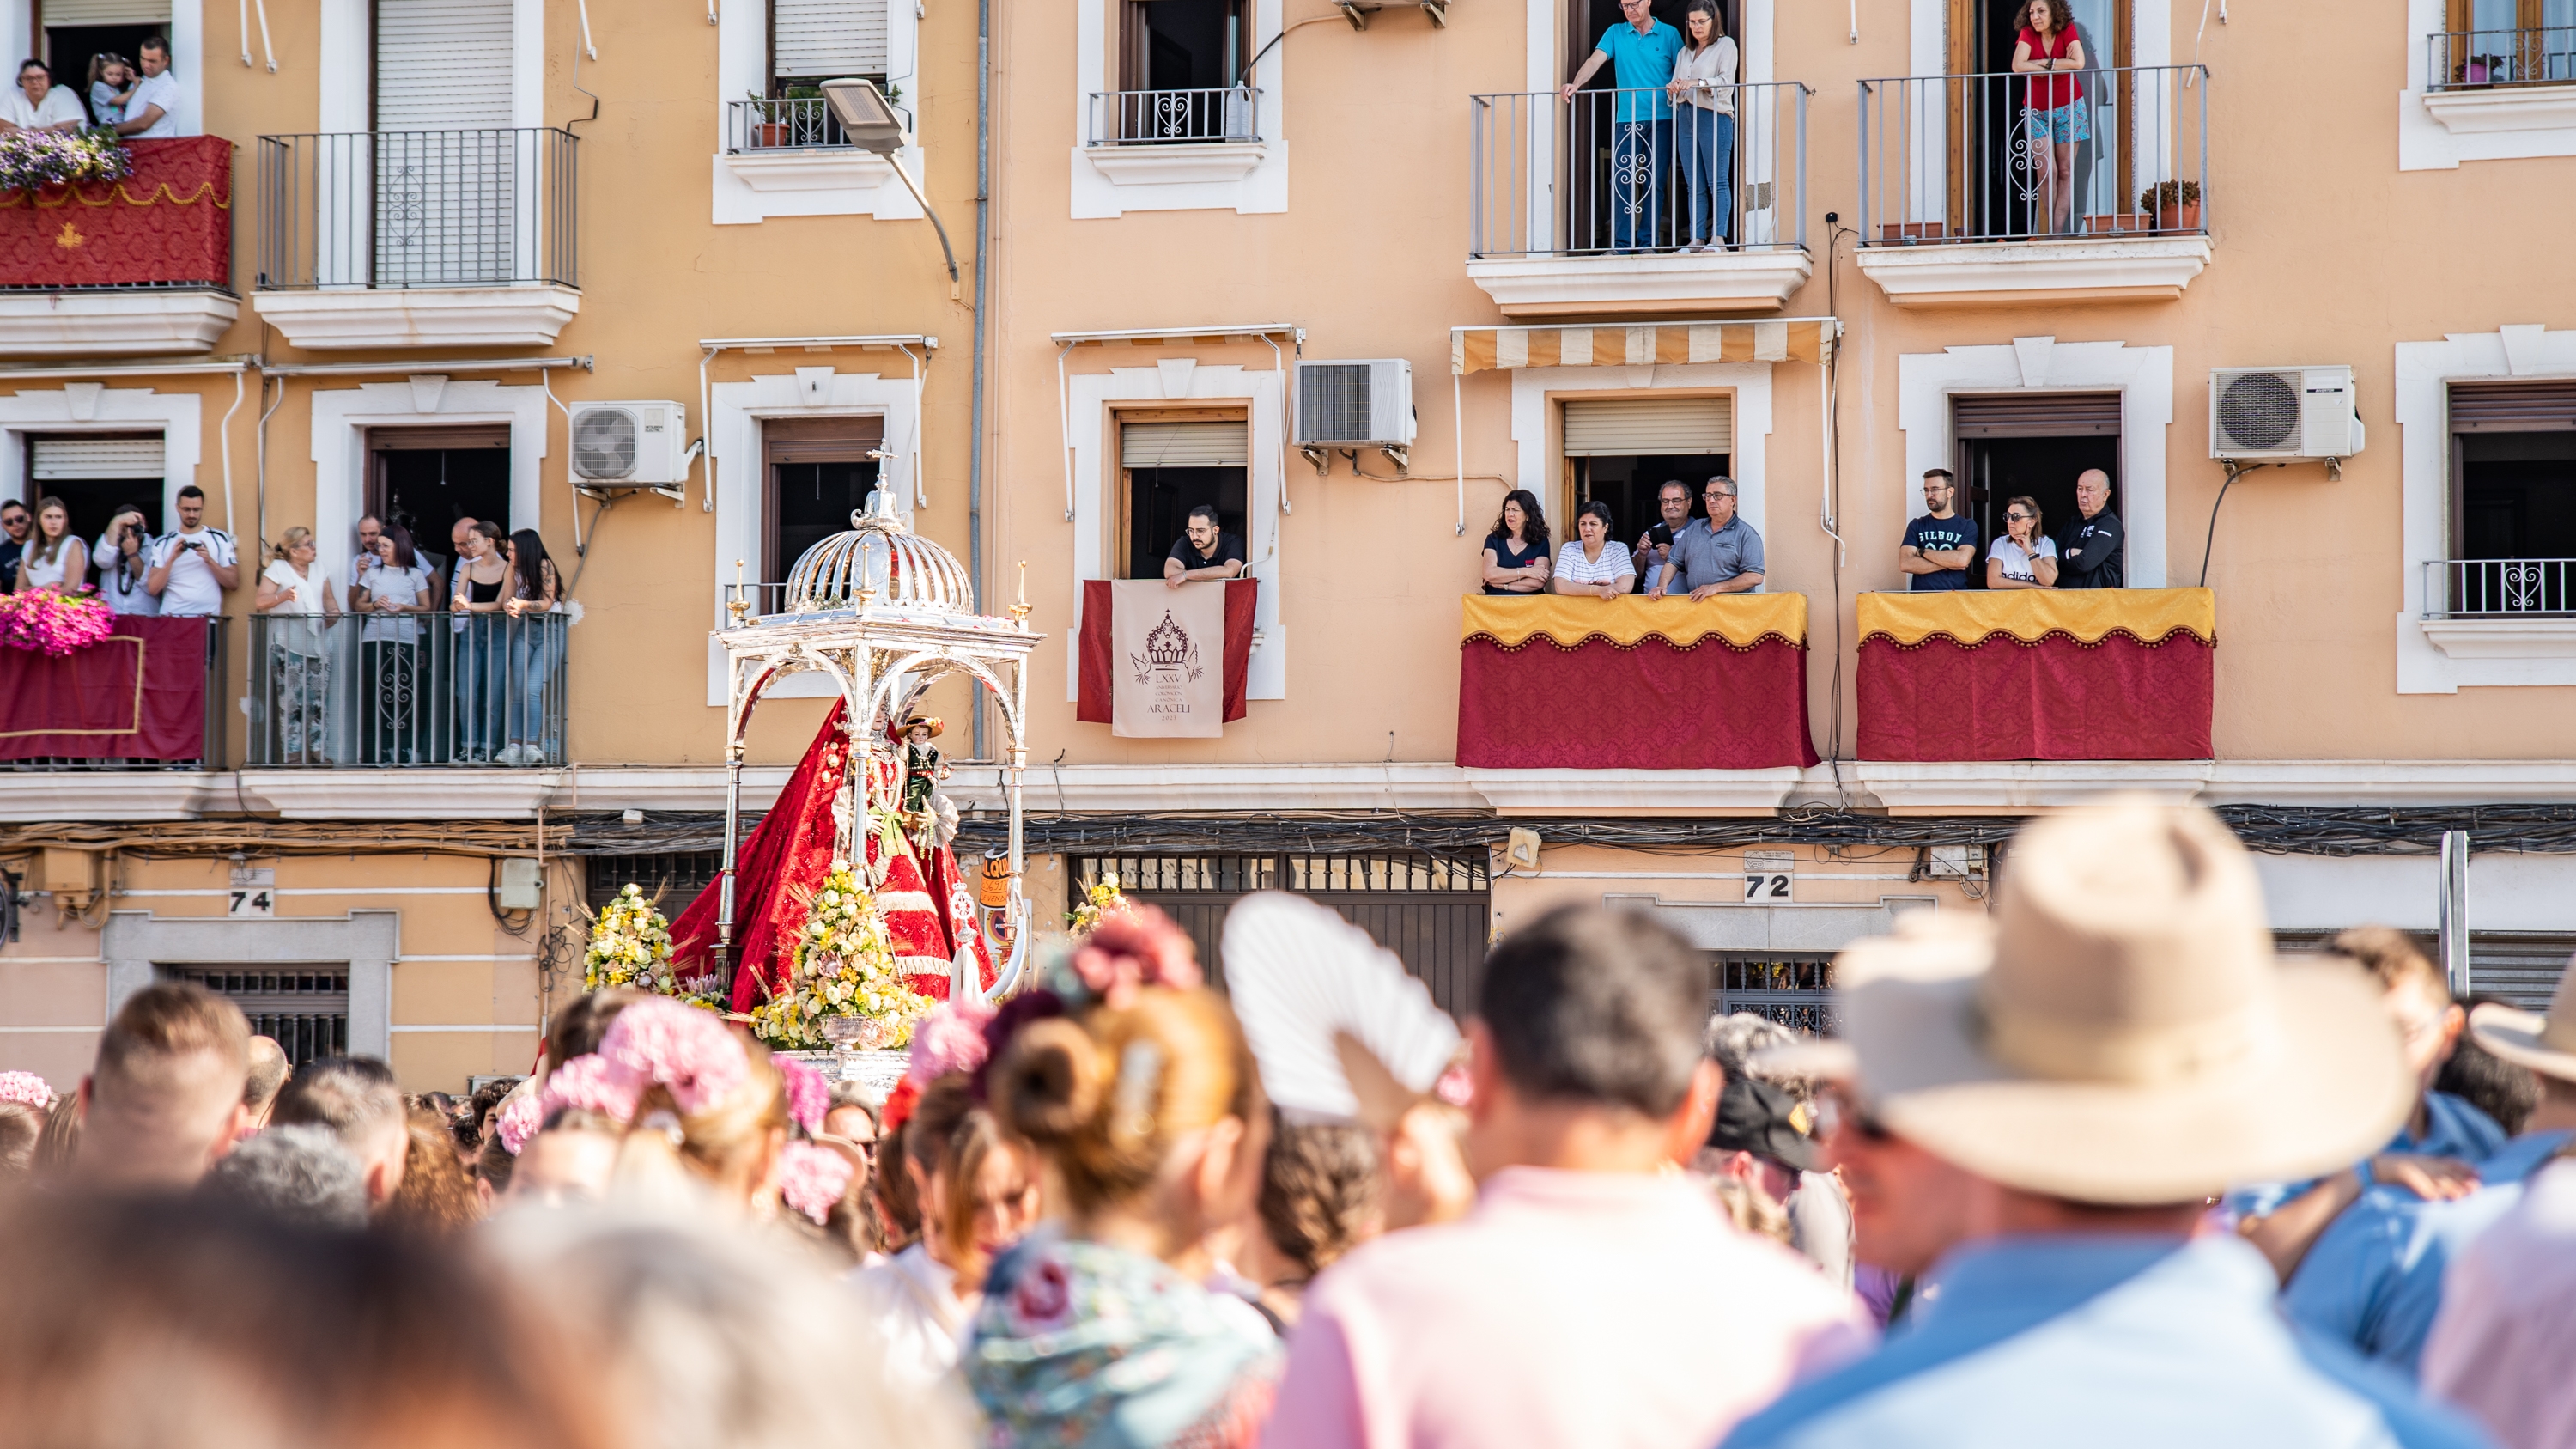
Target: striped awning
1792,339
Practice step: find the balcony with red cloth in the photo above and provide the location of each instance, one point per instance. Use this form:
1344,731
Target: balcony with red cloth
137,267
149,694
2031,674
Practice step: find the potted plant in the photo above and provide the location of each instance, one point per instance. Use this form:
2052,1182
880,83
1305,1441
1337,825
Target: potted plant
2119,222
1913,231
770,126
2175,203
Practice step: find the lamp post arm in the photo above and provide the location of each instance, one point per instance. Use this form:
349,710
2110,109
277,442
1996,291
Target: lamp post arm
933,213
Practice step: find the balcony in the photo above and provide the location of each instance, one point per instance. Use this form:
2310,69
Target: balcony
138,267
150,696
797,145
2479,81
1175,136
1974,190
1592,207
419,238
469,690
2501,608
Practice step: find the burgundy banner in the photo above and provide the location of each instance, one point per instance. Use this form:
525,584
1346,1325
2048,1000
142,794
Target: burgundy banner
1098,680
169,221
138,694
2054,700
1650,706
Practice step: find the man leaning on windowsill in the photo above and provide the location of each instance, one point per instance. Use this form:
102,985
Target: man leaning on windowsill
1206,553
152,112
2088,551
1719,554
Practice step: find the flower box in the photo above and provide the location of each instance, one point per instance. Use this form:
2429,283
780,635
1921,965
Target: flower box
2120,223
1912,231
2178,218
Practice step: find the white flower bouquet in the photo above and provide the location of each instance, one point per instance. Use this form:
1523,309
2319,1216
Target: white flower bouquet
842,966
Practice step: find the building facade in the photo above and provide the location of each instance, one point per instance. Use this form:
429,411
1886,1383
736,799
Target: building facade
620,279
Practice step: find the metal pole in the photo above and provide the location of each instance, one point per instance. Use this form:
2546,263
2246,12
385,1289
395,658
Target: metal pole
724,878
2455,910
975,405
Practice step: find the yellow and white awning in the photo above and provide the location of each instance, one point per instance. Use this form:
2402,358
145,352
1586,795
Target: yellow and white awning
1789,339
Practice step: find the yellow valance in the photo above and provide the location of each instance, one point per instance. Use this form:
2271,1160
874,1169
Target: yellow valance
1741,620
1644,344
2085,615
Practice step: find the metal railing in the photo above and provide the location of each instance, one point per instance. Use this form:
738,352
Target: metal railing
2017,157
477,689
788,125
210,735
1175,118
2469,59
419,209
2477,588
1625,171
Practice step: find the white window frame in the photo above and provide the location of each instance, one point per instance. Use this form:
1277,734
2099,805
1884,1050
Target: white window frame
368,942
188,58
348,51
2438,656
341,417
2437,130
89,407
1247,177
752,187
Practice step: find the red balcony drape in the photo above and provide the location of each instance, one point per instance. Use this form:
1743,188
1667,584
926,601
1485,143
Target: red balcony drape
139,694
170,221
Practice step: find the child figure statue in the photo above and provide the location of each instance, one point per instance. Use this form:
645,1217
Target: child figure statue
929,818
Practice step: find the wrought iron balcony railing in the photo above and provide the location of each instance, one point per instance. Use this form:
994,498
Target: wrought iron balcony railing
1635,170
2494,588
475,689
1174,118
2457,60
419,209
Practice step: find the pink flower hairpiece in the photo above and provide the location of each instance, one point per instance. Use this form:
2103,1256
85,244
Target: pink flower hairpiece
682,1048
811,1179
520,1118
949,1039
1136,947
808,1095
27,1087
592,1083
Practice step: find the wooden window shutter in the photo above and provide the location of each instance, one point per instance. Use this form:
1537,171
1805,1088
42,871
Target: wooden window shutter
2513,407
819,39
822,440
438,439
2037,415
1624,426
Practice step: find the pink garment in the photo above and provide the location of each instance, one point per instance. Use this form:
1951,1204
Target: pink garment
2500,1348
1607,1310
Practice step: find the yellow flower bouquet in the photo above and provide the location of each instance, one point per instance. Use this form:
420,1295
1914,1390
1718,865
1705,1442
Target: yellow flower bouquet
842,966
630,945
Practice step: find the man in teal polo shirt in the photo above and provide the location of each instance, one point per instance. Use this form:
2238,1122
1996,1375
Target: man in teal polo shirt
1640,55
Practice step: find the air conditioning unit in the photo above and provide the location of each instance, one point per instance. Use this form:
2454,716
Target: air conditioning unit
2267,413
1355,404
629,445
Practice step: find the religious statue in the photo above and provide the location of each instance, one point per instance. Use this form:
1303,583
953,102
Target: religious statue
930,819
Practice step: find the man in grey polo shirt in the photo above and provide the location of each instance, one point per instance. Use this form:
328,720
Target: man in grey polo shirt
1719,554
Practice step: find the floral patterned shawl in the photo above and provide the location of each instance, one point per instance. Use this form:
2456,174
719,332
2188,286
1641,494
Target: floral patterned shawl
1081,1344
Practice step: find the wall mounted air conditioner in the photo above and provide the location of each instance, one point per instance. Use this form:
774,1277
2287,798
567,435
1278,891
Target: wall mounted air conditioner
629,445
2279,414
1355,405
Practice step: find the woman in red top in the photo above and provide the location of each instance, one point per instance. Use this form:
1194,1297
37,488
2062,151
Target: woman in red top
2052,115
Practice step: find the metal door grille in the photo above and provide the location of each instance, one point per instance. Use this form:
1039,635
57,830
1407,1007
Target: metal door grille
672,879
304,1008
1795,991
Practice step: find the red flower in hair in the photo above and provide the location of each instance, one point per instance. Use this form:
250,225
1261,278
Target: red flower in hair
900,1102
1132,948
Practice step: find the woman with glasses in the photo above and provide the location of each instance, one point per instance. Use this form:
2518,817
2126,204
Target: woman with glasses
2024,557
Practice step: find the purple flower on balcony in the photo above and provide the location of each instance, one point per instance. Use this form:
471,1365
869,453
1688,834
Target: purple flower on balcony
33,159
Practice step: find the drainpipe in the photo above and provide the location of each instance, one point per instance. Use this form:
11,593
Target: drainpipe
975,407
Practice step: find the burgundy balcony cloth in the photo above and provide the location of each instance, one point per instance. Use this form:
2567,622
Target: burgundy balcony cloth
1099,680
170,221
796,836
138,694
1649,706
2003,699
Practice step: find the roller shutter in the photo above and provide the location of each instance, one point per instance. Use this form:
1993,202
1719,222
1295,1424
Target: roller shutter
1182,445
443,65
71,459
1626,426
2038,415
62,14
2513,407
819,39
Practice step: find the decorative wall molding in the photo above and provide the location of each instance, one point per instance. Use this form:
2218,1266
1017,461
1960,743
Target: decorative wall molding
342,415
79,407
1538,431
2437,130
139,323
332,317
1961,274
1245,177
1662,284
752,186
1206,163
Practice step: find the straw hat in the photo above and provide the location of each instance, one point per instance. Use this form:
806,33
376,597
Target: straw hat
2546,1044
2120,1031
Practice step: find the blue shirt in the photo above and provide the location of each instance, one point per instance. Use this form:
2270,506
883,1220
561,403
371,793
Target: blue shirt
2453,1127
1641,63
2107,1341
2373,1281
1940,535
1702,557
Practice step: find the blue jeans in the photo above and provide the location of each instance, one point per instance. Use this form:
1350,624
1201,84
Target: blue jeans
1639,152
1707,141
479,687
532,663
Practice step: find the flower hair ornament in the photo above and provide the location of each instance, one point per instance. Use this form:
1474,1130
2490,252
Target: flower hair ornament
950,1039
592,1083
520,1118
29,1088
687,1051
809,1097
1131,949
811,1179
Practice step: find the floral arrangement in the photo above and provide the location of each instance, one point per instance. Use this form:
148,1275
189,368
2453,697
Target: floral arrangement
33,159
811,1179
41,621
630,945
842,966
28,1088
1099,901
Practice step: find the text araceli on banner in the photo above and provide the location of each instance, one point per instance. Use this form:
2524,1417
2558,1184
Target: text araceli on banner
1167,649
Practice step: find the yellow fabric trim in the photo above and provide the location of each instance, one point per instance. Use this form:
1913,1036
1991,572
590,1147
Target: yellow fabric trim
1742,620
2086,615
205,191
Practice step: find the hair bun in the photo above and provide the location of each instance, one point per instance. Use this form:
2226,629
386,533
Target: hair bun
1048,1085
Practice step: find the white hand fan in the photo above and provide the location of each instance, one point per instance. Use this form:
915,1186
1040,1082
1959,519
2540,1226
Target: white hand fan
1300,978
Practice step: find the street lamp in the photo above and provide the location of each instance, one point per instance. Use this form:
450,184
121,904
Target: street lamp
874,125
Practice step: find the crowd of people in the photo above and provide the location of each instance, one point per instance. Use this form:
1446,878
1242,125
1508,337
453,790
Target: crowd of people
2096,1166
131,99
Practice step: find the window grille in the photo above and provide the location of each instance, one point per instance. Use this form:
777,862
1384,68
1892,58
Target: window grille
305,1009
1795,991
672,878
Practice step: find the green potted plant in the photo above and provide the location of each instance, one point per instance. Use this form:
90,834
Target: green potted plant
2175,203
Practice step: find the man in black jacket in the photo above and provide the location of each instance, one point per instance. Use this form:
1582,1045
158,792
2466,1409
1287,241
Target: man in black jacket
2089,549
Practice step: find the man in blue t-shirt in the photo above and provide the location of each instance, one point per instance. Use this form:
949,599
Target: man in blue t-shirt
1640,55
1940,545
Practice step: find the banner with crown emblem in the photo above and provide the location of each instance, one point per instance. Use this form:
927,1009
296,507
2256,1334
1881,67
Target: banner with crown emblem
1164,663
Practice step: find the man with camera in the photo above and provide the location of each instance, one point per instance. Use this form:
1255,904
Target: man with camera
194,567
1655,545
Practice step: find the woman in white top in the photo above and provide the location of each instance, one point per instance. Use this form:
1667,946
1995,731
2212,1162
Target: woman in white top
396,587
2024,558
40,105
978,1195
124,557
1703,94
296,600
54,560
1594,563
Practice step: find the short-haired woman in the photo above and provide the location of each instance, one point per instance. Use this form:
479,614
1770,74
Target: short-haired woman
54,560
40,105
2024,557
395,588
298,606
482,576
123,558
2053,119
534,645
1516,551
1593,562
1703,94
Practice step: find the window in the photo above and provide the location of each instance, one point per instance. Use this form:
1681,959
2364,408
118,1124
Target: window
2506,42
95,474
2031,445
2513,498
1623,450
427,479
670,880
304,1009
1169,462
76,31
1796,991
1180,73
820,471
812,41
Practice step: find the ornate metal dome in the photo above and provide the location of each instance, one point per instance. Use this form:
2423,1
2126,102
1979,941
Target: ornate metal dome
879,563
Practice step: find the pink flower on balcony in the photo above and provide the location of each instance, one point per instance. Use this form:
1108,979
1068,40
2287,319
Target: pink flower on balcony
43,622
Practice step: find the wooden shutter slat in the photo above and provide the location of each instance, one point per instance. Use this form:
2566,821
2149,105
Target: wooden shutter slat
1646,426
820,39
2036,415
2513,407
